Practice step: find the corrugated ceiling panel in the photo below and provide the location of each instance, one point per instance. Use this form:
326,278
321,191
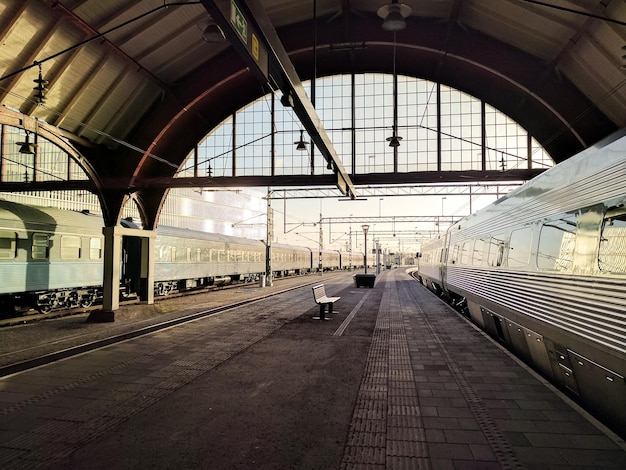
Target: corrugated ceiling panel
93,11
156,58
20,42
525,29
118,114
594,73
157,44
86,110
139,102
78,71
284,12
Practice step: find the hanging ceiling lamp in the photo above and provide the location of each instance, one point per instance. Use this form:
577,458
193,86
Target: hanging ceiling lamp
394,141
394,15
26,147
301,144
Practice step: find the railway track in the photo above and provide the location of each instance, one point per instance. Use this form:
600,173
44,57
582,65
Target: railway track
64,337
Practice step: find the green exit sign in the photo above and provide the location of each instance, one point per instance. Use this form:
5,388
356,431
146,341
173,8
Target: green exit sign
239,22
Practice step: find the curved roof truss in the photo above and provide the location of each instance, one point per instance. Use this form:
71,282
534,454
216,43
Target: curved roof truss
136,87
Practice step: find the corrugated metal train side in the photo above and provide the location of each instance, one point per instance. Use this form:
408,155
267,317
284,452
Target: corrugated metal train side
543,271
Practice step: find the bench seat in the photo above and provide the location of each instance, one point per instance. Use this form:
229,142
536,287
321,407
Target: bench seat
319,294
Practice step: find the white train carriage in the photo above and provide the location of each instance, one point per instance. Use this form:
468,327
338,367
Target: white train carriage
543,270
430,263
331,260
186,259
351,260
289,260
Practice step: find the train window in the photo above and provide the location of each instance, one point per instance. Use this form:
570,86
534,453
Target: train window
95,248
466,252
40,246
162,253
612,254
477,255
455,255
70,247
8,244
496,250
556,244
519,247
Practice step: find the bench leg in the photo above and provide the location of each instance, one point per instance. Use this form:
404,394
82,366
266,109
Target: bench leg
322,311
330,308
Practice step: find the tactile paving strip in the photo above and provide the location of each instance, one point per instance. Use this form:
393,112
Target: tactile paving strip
387,428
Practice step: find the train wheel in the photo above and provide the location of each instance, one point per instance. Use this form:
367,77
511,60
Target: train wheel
41,308
72,301
46,303
163,289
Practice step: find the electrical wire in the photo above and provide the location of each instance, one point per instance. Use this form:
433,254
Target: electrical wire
577,12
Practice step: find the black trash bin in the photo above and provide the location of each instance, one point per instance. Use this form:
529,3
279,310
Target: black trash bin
364,280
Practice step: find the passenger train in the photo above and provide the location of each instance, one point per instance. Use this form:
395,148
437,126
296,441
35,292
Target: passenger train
54,258
543,271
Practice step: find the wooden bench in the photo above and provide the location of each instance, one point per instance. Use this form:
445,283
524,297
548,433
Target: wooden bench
319,294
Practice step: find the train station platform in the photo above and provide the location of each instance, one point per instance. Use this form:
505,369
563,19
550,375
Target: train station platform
396,380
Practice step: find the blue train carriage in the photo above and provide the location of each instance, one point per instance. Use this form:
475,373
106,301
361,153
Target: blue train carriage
48,257
288,260
543,270
187,259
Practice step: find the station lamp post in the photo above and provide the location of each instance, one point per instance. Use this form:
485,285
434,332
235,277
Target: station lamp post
365,229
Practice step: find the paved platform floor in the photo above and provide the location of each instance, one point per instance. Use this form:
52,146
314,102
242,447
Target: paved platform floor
394,380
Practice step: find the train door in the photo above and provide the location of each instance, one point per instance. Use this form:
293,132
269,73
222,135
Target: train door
443,263
130,267
130,272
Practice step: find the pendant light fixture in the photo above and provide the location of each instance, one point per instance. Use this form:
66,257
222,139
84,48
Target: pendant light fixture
394,15
394,140
301,144
26,147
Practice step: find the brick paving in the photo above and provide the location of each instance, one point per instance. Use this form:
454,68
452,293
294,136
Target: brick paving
395,380
436,393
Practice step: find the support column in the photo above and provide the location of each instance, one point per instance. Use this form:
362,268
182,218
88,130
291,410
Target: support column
110,276
113,267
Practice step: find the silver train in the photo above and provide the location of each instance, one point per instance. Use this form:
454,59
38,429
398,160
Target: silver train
54,258
543,271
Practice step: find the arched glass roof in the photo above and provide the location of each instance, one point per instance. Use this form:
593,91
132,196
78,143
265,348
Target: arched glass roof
442,129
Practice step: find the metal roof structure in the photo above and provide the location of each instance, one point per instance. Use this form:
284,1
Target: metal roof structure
133,85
